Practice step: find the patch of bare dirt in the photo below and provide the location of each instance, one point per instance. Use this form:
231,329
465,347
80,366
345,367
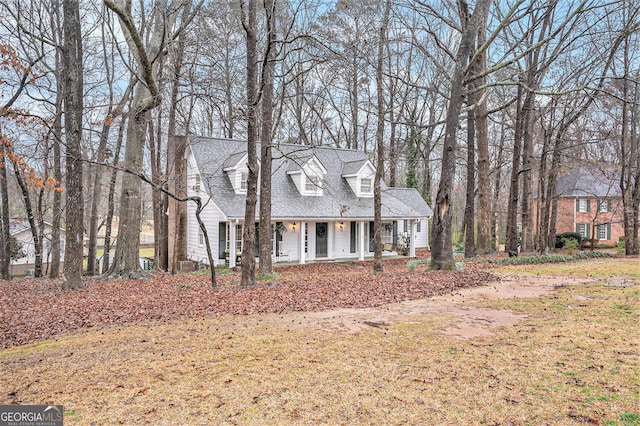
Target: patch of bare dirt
468,320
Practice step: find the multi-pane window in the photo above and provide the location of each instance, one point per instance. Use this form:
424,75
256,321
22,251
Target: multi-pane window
365,186
312,183
603,231
583,229
243,181
583,205
200,238
238,237
418,225
604,206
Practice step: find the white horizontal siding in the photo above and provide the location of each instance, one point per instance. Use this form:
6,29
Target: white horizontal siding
210,215
421,237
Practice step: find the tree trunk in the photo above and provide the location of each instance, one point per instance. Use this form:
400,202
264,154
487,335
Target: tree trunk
354,97
483,245
249,231
73,106
32,221
147,97
268,71
393,151
497,184
174,245
40,207
155,146
411,176
442,250
377,191
544,212
126,262
106,263
5,234
469,209
426,172
630,160
511,243
92,267
54,265
526,217
177,247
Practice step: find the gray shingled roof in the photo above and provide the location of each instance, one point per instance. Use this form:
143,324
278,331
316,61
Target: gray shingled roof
353,167
337,202
233,159
588,182
296,163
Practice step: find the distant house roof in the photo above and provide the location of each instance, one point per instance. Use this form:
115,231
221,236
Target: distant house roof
337,201
588,182
17,225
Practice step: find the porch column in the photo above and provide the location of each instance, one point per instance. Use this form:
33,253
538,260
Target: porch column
232,244
412,239
361,255
303,226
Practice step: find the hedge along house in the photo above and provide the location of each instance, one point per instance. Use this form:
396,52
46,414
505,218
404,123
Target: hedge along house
322,204
590,203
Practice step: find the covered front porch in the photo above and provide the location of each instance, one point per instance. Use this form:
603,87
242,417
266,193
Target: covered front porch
302,241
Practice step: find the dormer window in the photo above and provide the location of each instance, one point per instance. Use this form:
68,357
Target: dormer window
365,186
236,168
307,174
359,175
313,183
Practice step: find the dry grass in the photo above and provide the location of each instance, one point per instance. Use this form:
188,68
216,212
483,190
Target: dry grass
574,360
603,268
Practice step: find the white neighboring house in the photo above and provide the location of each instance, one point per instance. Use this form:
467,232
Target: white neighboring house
322,204
21,231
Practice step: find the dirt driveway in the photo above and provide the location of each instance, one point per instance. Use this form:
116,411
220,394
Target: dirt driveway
468,320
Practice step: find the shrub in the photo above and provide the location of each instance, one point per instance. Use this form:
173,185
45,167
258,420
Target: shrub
571,244
561,238
550,258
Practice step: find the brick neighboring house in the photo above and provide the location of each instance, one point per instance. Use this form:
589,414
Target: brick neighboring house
590,203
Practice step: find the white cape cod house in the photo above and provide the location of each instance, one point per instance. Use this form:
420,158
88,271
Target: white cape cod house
322,204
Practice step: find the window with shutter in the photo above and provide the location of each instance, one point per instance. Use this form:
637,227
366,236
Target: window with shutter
603,206
604,231
581,228
582,205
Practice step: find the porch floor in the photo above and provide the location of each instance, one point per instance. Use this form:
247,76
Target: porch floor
341,259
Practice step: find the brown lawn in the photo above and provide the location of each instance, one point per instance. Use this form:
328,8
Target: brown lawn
543,346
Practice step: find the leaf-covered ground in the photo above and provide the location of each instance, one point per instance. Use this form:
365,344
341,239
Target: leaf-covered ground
34,310
572,358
